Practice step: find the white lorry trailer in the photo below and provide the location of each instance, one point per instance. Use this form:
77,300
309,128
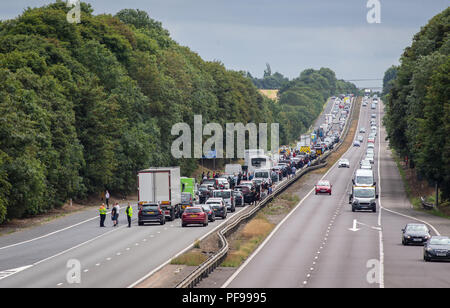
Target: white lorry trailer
163,186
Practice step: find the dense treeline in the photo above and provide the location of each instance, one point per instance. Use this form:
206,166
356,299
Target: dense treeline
85,106
418,103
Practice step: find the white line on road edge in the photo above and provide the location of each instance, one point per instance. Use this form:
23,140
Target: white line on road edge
380,232
227,283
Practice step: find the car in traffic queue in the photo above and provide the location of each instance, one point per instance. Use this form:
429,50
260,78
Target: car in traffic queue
362,130
186,201
414,233
150,213
238,198
209,210
363,198
218,206
356,143
365,164
323,187
437,248
211,183
227,196
371,140
204,193
360,138
371,146
246,192
369,157
194,216
344,162
222,183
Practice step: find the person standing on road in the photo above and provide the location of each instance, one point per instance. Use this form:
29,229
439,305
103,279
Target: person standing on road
129,212
115,214
107,199
102,212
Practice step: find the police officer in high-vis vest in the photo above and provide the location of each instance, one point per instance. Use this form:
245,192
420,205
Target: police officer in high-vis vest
129,212
102,212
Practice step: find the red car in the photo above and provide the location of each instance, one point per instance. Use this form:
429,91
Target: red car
323,187
194,215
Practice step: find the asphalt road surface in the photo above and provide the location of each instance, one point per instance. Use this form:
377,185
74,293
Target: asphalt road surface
314,246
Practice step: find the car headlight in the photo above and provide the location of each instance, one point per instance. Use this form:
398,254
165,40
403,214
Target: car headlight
429,249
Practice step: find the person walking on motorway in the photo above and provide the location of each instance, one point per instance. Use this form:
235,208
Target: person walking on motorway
107,199
129,212
102,212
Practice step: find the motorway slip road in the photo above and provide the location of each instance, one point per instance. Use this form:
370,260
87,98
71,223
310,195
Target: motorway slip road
318,246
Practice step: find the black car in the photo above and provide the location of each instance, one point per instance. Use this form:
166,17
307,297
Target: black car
150,212
238,198
415,234
209,210
437,248
204,193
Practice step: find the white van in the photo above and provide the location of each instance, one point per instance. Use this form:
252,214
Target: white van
263,174
227,196
364,177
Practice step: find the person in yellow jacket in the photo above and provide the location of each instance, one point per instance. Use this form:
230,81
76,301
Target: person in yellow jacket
102,212
129,212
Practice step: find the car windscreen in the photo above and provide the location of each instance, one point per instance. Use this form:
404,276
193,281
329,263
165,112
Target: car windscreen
416,228
150,208
257,162
440,241
185,197
261,174
366,180
222,194
193,210
364,193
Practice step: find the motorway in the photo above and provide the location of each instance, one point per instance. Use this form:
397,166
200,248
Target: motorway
314,246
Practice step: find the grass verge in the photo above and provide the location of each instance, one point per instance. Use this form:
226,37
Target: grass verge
414,194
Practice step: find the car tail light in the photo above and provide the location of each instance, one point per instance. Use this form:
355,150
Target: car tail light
140,212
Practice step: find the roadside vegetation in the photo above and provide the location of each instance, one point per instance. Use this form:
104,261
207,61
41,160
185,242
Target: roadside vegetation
415,189
417,103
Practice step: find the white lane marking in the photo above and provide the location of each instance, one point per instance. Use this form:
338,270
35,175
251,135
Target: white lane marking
380,233
50,234
8,273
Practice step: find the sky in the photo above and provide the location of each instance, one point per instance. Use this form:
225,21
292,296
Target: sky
290,35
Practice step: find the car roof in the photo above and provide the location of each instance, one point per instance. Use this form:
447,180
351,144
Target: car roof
364,172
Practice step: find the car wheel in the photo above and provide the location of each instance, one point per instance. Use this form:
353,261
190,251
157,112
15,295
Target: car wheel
161,222
426,259
183,225
374,210
353,209
140,223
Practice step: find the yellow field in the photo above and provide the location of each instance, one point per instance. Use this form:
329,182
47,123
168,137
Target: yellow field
272,94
